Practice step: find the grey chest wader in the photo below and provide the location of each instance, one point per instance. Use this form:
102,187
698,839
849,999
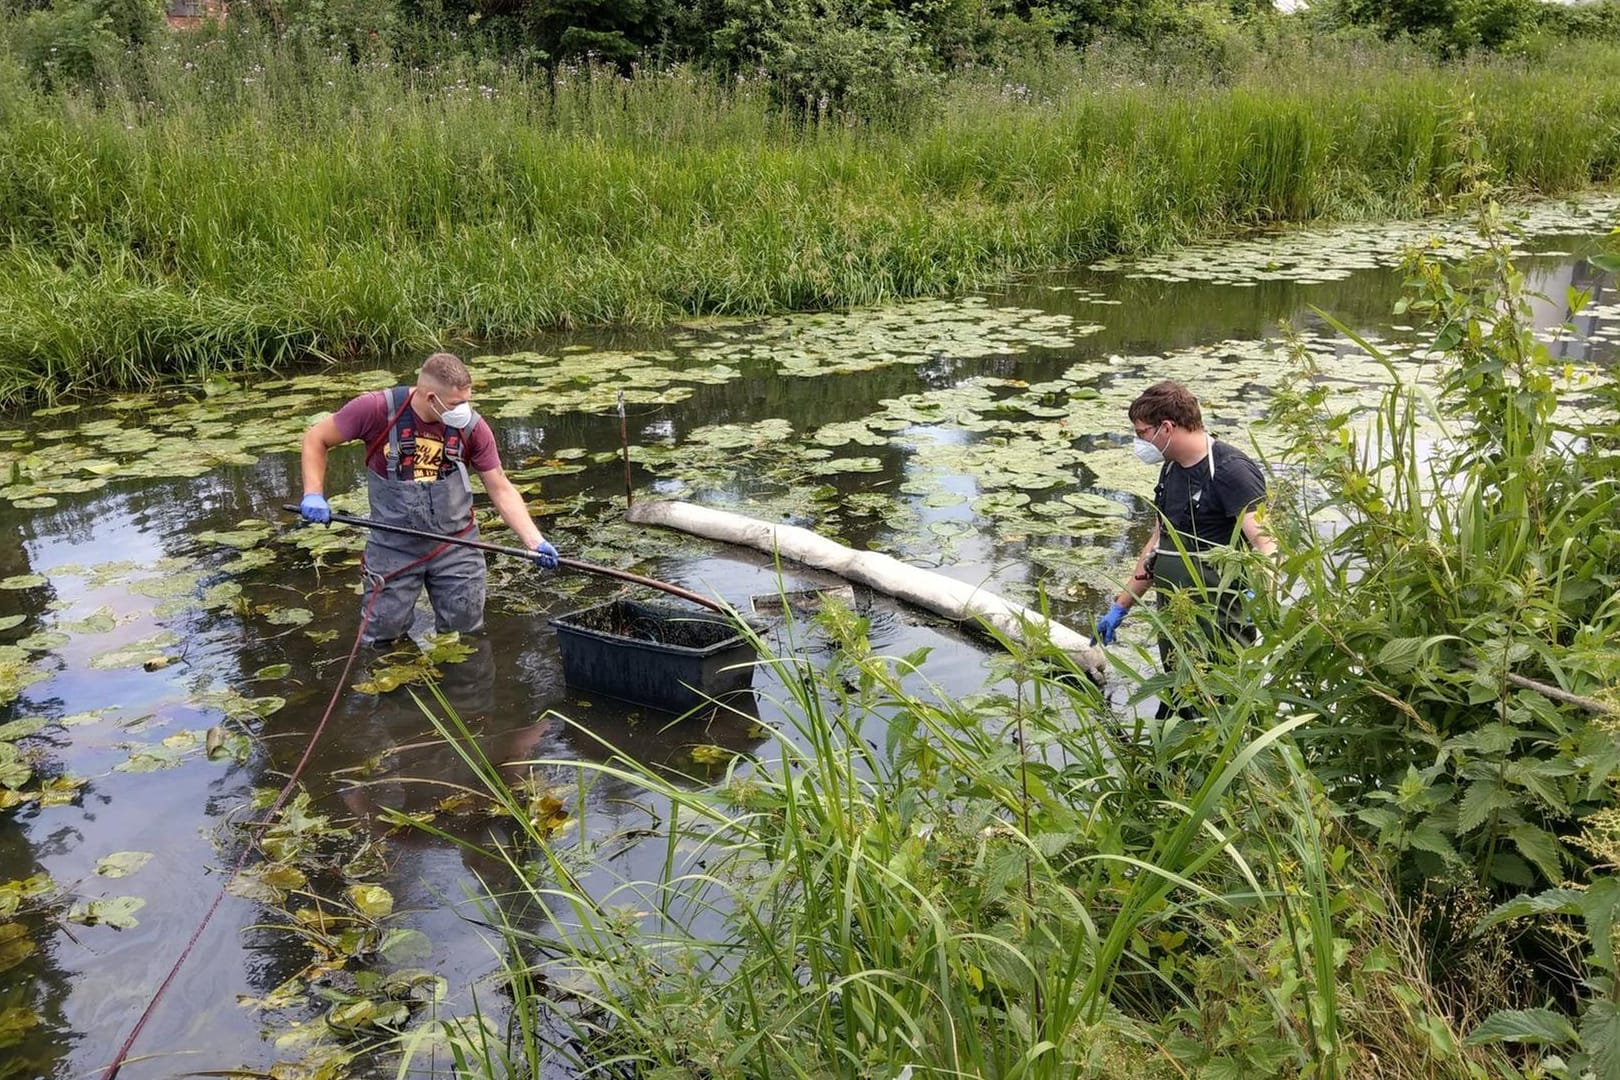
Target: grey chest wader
398,567
1174,570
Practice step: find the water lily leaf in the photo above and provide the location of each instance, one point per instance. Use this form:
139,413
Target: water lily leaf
373,901
13,894
273,671
14,770
9,621
21,729
117,912
321,637
91,716
122,863
24,581
290,616
404,946
242,539
15,947
99,621
136,654
150,759
60,790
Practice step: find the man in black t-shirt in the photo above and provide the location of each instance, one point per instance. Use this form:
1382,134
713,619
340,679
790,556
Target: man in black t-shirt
1209,495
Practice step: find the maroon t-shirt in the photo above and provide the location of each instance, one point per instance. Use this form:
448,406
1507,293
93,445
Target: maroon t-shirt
366,418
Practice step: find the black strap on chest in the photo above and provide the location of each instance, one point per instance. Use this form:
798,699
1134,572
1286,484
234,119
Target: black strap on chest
402,425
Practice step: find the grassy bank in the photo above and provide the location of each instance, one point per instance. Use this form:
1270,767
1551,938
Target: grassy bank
238,203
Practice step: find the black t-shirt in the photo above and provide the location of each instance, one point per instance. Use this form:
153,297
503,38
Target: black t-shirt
1204,509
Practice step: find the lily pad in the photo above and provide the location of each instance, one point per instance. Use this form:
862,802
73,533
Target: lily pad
122,863
24,581
7,622
15,947
117,912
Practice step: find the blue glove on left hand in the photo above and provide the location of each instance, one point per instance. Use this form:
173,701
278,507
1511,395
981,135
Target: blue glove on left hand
1109,623
314,509
546,555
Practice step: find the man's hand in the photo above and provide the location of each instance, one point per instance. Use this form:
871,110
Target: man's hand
315,510
1109,623
546,555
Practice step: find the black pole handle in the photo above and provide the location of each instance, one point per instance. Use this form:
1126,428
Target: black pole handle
570,564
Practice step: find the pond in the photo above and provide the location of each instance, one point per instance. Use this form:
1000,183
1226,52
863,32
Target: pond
170,639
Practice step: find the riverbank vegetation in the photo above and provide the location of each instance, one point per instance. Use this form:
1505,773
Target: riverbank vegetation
1380,842
263,192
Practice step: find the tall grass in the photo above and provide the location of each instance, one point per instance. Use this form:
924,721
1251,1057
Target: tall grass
237,202
901,884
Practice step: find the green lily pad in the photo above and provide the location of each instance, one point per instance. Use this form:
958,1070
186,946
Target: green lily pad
24,581
117,912
60,790
373,901
7,622
122,863
44,641
21,729
290,616
15,947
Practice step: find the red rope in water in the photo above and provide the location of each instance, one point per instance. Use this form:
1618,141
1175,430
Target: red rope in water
281,797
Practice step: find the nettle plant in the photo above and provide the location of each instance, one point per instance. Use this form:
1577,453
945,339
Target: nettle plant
1460,619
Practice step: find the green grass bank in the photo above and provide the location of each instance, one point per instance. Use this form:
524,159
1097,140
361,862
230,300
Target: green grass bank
239,203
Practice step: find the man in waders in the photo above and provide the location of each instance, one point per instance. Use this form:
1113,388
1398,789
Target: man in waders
419,442
1208,496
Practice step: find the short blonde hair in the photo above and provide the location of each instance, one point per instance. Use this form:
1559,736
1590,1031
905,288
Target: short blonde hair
447,370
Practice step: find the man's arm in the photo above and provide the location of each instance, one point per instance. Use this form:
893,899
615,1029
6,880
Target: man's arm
1141,578
1255,532
510,506
322,435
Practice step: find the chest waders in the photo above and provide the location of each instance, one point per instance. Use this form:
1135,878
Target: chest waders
1220,603
399,567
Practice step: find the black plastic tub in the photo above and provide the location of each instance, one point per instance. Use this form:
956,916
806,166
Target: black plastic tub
663,657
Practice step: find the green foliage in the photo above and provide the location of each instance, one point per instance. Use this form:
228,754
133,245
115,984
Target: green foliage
77,44
1018,883
257,200
1474,562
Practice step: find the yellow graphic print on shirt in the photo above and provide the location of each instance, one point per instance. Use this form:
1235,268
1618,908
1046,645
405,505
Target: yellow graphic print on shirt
429,458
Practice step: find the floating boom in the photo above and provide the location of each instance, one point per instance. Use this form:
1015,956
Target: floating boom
958,600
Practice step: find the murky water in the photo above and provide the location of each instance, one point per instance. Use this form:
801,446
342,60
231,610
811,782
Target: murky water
154,592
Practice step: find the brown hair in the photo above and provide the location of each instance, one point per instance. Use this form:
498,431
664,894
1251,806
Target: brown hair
1167,400
447,370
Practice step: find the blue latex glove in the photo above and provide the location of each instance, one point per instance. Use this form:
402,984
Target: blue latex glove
315,510
1109,623
546,555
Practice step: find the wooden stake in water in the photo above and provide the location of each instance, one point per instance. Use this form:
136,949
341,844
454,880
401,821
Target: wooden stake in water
624,450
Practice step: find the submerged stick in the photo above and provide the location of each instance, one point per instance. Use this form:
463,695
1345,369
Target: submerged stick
497,549
958,600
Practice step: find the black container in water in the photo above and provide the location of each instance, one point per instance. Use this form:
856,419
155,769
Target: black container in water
663,657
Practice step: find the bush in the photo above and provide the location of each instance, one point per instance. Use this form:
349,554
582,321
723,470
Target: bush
834,60
81,43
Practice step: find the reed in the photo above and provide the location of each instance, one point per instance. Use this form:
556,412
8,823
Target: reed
238,202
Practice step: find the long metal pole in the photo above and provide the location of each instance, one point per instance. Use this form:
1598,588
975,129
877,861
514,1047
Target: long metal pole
571,564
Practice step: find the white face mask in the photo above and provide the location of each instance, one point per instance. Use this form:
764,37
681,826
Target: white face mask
458,417
1146,452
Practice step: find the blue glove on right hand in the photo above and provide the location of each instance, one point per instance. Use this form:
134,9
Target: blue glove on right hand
314,509
546,555
1109,623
